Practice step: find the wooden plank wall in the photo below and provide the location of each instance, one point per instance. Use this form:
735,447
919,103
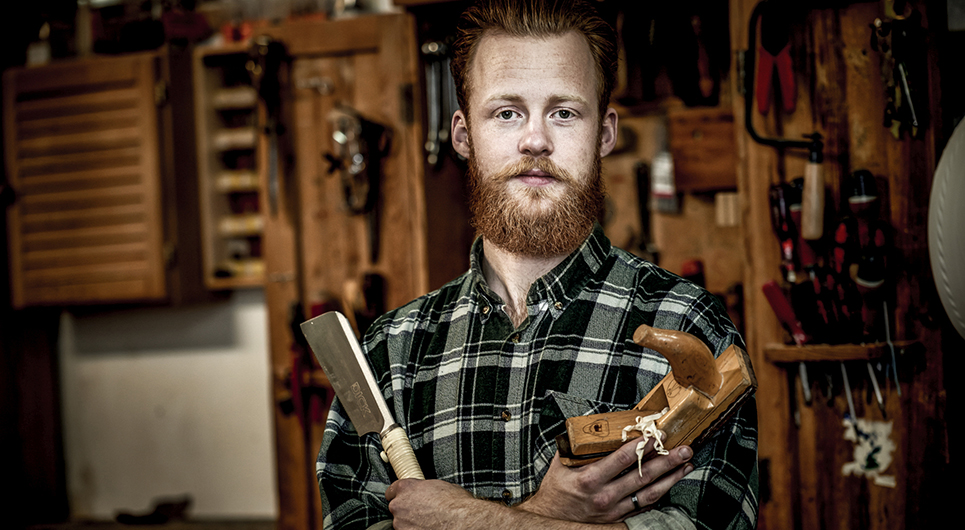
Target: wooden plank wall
840,95
316,250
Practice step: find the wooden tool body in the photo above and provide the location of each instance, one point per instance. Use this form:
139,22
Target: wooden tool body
699,393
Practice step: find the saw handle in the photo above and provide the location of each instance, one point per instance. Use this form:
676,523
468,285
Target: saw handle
399,453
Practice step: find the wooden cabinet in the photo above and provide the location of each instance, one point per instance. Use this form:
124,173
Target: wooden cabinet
229,183
89,157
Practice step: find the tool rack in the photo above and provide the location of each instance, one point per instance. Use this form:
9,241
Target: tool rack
802,447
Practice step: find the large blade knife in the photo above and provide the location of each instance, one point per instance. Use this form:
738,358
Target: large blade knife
333,341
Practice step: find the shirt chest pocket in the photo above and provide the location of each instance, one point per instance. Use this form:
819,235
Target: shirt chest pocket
557,407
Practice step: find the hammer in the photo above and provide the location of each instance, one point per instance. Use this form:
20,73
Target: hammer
700,393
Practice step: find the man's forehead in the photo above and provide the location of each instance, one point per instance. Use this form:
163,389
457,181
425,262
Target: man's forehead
502,62
546,48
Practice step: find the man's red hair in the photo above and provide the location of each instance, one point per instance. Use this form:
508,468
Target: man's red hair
539,19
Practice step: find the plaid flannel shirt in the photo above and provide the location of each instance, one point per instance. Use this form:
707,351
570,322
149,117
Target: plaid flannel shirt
482,401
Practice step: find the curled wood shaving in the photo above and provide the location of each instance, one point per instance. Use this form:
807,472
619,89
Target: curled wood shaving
648,429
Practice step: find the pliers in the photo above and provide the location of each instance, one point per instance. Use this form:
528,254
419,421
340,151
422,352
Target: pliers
775,54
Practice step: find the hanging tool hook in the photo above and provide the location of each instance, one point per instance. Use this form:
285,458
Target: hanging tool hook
359,145
812,212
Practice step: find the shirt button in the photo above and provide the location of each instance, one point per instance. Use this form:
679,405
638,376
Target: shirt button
485,309
515,338
507,495
558,305
506,415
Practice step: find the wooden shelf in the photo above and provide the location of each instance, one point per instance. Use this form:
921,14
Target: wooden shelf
236,282
230,182
783,353
241,225
235,139
245,268
237,181
231,98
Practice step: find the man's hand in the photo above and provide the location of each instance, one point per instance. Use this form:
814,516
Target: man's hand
598,493
425,503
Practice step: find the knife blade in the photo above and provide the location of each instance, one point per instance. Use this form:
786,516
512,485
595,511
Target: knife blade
333,342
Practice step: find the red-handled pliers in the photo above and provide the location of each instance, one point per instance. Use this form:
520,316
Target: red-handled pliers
775,54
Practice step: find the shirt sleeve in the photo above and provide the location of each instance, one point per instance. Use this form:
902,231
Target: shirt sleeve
665,519
721,491
352,477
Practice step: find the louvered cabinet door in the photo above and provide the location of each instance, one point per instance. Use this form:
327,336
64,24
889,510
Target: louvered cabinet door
82,155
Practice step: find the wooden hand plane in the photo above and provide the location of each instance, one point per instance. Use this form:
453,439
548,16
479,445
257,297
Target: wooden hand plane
700,393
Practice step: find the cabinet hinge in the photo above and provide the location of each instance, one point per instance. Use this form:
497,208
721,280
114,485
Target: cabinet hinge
160,93
170,255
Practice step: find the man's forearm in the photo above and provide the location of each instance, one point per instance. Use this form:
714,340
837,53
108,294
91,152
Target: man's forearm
417,504
492,514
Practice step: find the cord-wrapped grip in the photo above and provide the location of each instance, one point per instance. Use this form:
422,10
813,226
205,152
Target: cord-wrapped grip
396,445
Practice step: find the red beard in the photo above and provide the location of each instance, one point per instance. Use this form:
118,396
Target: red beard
533,223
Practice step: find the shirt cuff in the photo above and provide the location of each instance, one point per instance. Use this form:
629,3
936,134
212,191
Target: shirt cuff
668,518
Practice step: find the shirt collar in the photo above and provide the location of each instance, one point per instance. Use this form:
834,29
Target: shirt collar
560,285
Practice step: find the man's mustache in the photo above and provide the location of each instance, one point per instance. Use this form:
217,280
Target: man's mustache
529,163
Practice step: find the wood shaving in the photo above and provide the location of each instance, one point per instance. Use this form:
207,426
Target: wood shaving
648,429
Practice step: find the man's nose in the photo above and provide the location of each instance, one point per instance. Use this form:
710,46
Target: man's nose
536,139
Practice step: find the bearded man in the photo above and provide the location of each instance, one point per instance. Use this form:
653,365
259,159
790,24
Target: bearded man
483,372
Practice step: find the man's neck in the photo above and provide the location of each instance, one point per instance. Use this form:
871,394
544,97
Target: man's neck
510,276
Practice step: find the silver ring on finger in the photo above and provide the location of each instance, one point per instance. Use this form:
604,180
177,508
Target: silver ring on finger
636,503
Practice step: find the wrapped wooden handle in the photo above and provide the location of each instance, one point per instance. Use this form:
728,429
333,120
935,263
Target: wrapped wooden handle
812,202
400,455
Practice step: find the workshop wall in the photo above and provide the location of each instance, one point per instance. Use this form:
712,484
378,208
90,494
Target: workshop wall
167,403
690,238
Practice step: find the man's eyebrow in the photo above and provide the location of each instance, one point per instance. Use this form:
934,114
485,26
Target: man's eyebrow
553,100
567,98
514,98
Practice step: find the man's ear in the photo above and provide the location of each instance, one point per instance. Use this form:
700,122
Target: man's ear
460,133
608,138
